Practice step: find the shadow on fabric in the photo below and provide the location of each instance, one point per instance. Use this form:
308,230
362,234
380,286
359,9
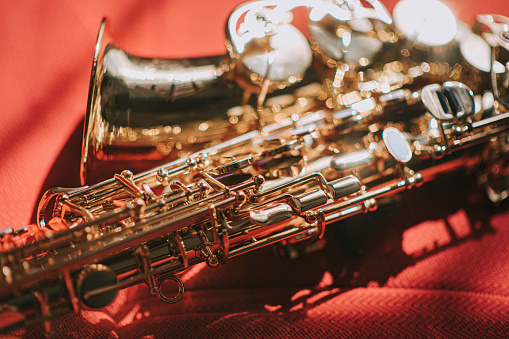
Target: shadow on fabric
365,251
65,171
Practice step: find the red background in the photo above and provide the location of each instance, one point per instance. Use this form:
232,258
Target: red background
437,265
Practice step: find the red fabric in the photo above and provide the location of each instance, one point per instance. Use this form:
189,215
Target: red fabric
437,265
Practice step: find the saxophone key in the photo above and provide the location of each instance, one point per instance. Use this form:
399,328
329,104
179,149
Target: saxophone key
353,160
460,99
234,179
164,279
271,215
92,278
142,254
495,31
309,200
449,101
400,105
276,147
233,166
343,187
6,231
347,118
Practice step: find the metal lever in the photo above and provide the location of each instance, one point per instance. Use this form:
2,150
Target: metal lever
448,101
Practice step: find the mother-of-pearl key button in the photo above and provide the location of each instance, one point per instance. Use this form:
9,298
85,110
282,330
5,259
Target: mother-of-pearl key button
397,144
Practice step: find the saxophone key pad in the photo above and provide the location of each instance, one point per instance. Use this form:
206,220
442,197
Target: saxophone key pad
268,30
425,23
397,144
399,106
351,38
449,101
95,277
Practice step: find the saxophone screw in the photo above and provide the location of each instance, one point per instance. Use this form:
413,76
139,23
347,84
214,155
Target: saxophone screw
127,174
258,180
370,205
439,151
203,160
212,261
162,176
458,131
310,217
505,35
419,180
240,197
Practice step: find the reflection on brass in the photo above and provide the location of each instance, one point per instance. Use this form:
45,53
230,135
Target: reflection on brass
243,155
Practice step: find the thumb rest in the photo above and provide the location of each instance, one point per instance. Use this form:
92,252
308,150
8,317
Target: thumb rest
379,121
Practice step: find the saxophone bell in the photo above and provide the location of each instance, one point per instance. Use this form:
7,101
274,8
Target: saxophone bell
142,112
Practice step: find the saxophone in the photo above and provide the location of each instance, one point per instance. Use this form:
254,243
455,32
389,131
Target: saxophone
384,109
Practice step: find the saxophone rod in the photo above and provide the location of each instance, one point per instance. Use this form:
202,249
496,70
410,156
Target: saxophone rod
143,175
233,253
332,210
331,215
116,245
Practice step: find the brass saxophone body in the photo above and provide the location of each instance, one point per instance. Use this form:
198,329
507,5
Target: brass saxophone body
376,121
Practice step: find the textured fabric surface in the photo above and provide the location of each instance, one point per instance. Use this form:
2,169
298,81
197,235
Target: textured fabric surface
434,265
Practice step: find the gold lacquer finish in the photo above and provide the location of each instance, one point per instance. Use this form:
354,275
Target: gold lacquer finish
317,131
